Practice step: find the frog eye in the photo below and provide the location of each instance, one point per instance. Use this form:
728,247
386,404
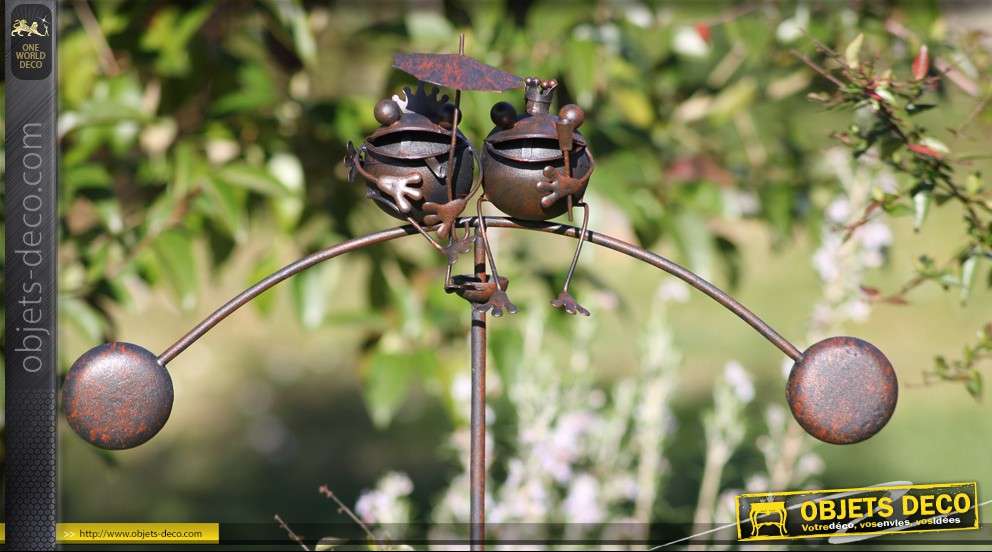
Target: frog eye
446,115
503,115
387,112
572,114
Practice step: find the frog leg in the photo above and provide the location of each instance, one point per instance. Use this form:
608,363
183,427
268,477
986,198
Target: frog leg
565,301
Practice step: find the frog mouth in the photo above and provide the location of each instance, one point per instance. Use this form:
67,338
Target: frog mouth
411,145
530,150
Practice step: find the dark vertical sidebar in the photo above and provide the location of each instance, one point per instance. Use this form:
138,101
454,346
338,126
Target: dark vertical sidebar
31,234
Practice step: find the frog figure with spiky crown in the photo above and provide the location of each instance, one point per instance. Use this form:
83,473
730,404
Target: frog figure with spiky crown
407,160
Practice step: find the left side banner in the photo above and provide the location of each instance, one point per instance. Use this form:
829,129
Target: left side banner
29,273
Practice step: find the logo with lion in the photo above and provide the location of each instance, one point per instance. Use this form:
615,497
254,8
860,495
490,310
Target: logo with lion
21,28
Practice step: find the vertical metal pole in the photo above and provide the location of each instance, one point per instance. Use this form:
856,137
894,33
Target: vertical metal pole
477,463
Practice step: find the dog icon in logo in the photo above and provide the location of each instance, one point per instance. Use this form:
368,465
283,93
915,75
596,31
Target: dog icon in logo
768,509
22,28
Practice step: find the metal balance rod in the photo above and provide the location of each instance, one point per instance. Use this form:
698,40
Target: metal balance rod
841,390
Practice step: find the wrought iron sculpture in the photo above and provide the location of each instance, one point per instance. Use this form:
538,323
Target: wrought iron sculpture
535,167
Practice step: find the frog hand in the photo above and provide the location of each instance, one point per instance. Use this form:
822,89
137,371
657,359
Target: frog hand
445,214
556,185
401,189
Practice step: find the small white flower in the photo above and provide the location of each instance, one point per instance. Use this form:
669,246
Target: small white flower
810,464
675,291
582,503
857,310
739,380
775,415
157,137
825,258
875,235
741,202
639,15
757,483
887,182
461,388
386,503
688,43
839,210
222,150
396,484
793,28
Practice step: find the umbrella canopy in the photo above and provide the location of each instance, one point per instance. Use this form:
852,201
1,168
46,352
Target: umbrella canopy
456,71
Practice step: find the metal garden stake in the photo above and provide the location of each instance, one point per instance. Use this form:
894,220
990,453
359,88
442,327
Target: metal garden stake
419,168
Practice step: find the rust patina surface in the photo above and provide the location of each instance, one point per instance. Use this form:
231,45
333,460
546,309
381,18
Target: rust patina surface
117,395
842,390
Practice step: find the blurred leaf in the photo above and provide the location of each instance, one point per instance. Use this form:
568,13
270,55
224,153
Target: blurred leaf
388,378
263,268
169,34
429,28
730,257
174,252
974,384
226,204
185,163
87,176
252,178
694,242
921,206
292,14
635,106
255,91
310,296
581,71
288,206
732,100
160,214
853,51
87,321
968,276
776,202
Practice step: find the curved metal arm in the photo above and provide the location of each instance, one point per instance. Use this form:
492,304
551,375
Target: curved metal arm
603,240
285,272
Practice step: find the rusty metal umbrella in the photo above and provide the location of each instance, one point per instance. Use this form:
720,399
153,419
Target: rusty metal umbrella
459,72
456,71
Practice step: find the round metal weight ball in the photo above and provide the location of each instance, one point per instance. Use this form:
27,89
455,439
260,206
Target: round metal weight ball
387,112
842,390
117,395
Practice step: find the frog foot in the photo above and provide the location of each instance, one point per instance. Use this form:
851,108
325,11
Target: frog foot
568,304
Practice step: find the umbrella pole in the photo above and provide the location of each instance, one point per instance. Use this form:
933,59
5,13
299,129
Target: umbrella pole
451,151
454,127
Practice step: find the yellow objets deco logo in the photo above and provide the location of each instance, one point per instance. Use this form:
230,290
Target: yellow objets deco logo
857,512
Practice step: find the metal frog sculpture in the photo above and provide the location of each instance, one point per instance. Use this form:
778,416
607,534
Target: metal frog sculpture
418,167
536,166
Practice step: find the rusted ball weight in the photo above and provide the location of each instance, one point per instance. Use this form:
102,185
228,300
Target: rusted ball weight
117,395
842,390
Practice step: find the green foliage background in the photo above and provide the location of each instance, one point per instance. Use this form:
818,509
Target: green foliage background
202,146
